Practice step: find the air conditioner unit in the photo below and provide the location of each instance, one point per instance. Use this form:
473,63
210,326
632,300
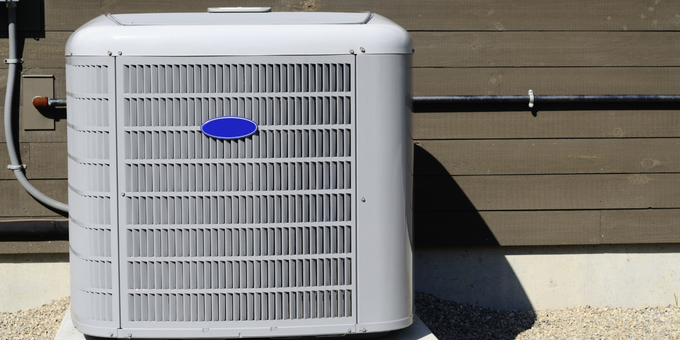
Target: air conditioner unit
239,175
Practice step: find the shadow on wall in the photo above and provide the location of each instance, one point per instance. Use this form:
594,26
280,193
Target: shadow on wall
445,265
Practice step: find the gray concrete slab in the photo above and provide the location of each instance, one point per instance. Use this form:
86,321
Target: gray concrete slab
66,330
417,331
540,278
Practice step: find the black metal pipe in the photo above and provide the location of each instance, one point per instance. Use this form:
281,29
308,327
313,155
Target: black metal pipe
34,230
545,103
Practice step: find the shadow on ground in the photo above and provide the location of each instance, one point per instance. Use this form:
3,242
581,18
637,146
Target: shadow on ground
457,259
449,320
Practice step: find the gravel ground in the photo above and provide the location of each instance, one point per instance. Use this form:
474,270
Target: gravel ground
452,321
39,323
448,321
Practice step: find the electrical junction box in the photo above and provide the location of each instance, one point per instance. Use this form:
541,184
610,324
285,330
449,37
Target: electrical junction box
239,175
30,20
34,86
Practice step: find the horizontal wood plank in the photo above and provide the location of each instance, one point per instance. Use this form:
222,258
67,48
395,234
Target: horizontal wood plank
46,53
49,161
24,151
35,247
17,203
534,228
506,228
641,226
544,81
544,49
544,15
540,15
68,15
546,124
58,135
546,156
546,192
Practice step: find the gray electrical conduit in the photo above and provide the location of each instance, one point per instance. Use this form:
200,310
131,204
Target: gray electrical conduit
15,165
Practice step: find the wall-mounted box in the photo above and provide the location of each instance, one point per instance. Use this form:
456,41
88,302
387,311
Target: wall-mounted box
37,85
30,19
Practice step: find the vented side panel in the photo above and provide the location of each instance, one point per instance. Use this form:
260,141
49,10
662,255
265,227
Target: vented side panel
256,306
253,232
277,76
92,188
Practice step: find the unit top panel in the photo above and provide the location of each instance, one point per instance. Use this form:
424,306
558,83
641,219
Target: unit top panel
269,18
238,34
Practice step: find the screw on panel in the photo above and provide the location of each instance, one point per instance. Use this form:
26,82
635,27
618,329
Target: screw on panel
363,50
349,330
351,51
111,335
363,330
109,53
120,53
363,199
129,336
122,194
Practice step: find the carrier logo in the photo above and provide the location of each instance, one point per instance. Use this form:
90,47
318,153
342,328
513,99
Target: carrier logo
229,127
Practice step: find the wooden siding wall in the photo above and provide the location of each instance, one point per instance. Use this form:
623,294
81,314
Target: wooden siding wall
491,178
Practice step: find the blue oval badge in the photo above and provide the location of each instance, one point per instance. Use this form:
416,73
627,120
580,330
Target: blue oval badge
229,127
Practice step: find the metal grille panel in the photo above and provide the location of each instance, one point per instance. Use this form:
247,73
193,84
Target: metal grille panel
256,306
93,237
275,77
256,229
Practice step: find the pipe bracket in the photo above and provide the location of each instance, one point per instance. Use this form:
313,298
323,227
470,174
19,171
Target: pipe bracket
16,167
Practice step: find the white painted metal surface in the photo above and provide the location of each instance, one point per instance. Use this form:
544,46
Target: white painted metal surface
177,234
233,34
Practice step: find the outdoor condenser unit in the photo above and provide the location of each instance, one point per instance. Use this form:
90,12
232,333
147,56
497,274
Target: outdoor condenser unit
239,175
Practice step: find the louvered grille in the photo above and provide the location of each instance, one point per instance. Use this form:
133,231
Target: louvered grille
255,229
237,176
239,274
93,238
241,242
246,77
255,306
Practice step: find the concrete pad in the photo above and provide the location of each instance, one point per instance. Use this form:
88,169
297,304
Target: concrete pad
66,330
417,331
539,278
31,280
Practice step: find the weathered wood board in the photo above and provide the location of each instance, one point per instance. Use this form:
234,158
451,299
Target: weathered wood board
545,80
433,15
17,203
541,228
545,49
546,192
546,124
49,161
24,153
547,156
